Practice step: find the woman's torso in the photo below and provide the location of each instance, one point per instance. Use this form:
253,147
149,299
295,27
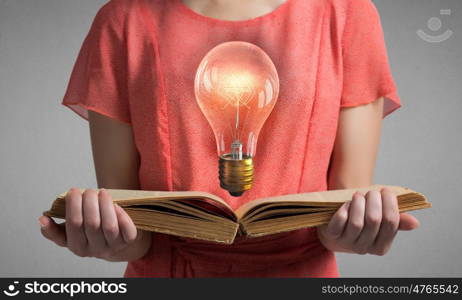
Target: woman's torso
165,43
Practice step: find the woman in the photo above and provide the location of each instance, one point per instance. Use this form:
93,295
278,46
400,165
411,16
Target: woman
133,82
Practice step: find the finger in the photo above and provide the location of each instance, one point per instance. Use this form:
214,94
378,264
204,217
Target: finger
389,224
92,222
126,225
355,222
337,223
372,220
52,231
109,221
76,239
408,222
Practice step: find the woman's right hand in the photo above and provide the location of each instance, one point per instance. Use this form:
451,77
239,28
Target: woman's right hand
97,227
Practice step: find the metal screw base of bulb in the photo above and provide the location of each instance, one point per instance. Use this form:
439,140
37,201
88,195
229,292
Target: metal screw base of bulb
236,176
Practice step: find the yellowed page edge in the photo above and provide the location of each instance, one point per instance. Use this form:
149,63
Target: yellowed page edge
126,195
333,196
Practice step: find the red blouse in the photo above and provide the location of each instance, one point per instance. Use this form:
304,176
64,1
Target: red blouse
137,65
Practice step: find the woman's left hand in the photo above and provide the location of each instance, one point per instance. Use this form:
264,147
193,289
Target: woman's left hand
366,224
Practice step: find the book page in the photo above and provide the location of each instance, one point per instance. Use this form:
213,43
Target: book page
322,198
133,197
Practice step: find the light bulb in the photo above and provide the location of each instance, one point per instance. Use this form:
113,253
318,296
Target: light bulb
236,87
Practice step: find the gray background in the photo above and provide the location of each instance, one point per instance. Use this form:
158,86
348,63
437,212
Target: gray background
45,148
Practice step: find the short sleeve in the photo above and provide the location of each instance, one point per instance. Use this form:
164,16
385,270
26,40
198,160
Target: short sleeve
98,81
366,70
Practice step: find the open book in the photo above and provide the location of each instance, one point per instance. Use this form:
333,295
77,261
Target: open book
204,216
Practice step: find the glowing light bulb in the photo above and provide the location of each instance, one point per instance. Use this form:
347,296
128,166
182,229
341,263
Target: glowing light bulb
236,87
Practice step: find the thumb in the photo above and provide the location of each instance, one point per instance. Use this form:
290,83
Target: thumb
52,231
408,222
